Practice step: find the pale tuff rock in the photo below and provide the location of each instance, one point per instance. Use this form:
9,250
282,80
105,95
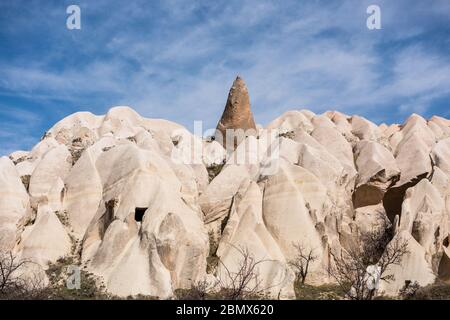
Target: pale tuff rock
237,114
18,156
75,126
411,146
290,121
441,181
245,228
443,125
441,155
370,218
414,267
216,200
322,164
248,162
425,218
342,122
169,236
424,223
54,165
336,145
303,137
413,158
46,229
374,163
42,148
26,168
364,129
383,127
287,216
83,192
14,204
444,266
213,154
135,193
377,170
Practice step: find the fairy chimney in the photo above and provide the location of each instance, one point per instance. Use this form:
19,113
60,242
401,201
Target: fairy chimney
237,115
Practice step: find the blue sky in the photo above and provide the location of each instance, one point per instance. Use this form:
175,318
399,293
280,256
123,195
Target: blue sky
177,59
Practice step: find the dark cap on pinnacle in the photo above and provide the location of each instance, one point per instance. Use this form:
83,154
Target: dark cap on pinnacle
237,113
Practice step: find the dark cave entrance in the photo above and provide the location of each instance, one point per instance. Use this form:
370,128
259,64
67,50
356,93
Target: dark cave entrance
139,214
108,216
444,264
366,195
394,196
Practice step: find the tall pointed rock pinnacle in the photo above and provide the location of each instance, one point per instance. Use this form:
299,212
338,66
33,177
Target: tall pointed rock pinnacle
237,113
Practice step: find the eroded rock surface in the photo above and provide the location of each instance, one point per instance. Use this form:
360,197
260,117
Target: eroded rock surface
149,206
237,114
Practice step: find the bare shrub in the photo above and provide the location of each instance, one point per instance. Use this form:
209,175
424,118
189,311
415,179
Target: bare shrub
14,284
241,282
349,268
301,262
435,291
409,290
214,170
245,281
201,290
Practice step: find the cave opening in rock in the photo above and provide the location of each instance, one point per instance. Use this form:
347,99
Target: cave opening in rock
139,214
444,264
108,216
366,195
63,193
394,196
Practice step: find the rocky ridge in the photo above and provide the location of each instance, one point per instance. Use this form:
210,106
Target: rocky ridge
145,219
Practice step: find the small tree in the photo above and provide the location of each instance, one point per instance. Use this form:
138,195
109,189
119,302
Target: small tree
301,262
13,284
409,290
200,290
240,282
10,279
350,267
243,283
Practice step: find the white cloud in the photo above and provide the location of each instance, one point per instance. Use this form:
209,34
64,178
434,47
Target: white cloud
292,54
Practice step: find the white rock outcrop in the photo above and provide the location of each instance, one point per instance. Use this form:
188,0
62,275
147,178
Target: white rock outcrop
147,206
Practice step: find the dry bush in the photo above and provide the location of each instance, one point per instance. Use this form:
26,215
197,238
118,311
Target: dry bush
409,290
13,283
301,262
245,282
201,290
439,290
349,268
240,283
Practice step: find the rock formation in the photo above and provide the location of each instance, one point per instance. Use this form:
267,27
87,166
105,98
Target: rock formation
237,115
120,190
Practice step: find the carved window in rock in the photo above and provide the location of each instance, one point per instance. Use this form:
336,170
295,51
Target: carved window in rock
139,214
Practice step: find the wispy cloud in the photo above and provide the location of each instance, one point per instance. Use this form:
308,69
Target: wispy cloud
177,59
